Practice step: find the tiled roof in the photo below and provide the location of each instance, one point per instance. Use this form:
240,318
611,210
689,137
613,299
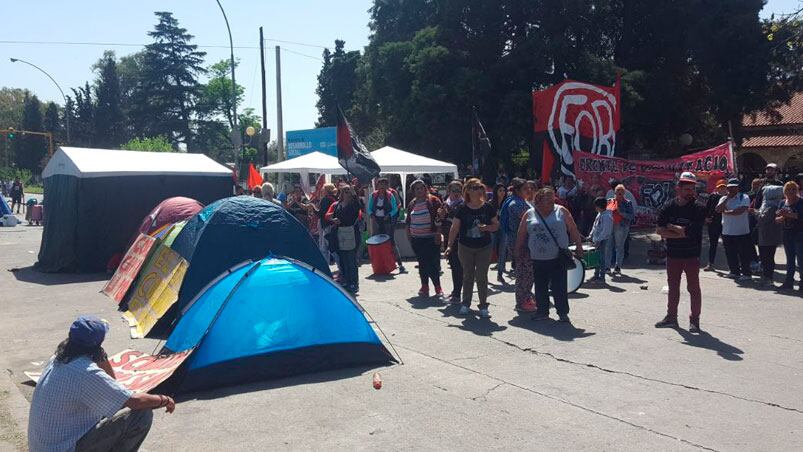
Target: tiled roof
773,141
790,114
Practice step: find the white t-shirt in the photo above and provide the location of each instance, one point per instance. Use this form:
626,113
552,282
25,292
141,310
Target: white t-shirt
736,224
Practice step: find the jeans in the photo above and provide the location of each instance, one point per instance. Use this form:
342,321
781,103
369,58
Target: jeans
766,254
348,269
793,247
618,240
501,251
384,225
601,247
125,431
675,267
475,262
550,274
739,250
457,273
428,254
714,232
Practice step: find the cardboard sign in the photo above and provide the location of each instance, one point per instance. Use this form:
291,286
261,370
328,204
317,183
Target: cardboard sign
141,372
129,267
156,290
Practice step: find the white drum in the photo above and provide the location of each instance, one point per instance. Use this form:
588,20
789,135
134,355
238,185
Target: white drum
576,276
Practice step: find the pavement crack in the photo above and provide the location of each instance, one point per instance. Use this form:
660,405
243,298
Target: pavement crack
645,378
558,399
484,397
617,372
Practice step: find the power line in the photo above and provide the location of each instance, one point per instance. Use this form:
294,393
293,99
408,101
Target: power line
303,54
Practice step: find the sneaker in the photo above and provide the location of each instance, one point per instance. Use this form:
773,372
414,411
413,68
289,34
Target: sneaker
402,269
537,317
527,306
694,326
732,276
424,291
484,314
755,267
667,322
464,310
500,279
564,319
709,268
439,293
454,299
786,286
617,270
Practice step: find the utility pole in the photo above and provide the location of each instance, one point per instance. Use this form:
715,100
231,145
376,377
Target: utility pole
265,132
280,126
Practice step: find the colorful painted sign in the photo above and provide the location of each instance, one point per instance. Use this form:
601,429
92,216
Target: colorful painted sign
129,267
156,290
141,372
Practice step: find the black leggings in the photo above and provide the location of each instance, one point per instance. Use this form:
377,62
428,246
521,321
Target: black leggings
457,272
428,255
714,232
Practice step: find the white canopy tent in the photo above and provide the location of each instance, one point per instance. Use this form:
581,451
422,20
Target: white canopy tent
313,163
396,161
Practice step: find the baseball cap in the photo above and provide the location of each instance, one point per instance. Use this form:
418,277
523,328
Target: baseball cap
733,182
88,330
721,183
772,165
688,176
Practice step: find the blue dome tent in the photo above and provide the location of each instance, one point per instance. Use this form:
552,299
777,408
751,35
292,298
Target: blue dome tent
233,230
271,319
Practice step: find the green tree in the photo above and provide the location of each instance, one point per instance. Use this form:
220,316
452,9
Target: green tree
149,144
52,121
82,122
337,82
11,101
215,96
109,121
31,149
163,98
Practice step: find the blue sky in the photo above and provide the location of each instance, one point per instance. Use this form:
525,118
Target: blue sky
315,22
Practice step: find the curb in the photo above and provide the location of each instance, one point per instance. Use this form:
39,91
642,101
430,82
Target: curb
14,403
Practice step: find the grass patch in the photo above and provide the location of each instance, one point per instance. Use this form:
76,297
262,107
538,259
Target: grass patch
35,189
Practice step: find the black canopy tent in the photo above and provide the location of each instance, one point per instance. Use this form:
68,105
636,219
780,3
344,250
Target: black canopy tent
95,200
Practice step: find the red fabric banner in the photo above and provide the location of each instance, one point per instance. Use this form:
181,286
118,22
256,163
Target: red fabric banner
574,116
652,182
254,178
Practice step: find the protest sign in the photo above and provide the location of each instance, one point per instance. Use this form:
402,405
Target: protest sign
156,290
129,267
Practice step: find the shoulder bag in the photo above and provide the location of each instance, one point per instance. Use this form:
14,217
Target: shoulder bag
564,254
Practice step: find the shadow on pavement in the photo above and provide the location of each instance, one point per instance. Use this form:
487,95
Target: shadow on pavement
709,342
560,331
419,302
627,279
381,278
29,275
476,325
578,295
318,377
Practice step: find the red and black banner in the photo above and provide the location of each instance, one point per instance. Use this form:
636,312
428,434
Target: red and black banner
352,154
574,116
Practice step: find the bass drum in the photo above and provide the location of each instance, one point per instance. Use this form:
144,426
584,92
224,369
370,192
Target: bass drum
576,276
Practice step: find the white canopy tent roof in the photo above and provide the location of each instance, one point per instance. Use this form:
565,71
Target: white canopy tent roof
314,162
86,162
396,161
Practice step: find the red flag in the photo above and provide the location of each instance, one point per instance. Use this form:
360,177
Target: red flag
254,178
575,116
318,192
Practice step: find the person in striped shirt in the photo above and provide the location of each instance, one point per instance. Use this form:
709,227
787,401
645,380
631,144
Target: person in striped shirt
422,230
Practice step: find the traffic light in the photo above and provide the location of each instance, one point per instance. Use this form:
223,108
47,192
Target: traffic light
11,133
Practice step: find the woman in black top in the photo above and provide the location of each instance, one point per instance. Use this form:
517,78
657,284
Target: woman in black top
791,216
345,215
475,220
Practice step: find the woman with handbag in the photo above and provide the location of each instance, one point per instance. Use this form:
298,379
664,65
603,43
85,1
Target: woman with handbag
475,220
546,230
345,215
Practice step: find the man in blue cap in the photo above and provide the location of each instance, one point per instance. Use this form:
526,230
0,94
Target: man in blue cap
77,402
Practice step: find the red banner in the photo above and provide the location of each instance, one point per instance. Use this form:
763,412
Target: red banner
574,116
129,267
141,372
652,182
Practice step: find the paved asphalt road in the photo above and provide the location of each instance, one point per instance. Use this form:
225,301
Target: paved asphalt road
609,382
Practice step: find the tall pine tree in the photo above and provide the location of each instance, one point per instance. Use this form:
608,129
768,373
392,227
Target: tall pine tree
163,100
52,121
31,149
108,118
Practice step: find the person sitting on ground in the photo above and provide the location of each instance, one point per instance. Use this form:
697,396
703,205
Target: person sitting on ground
601,233
78,405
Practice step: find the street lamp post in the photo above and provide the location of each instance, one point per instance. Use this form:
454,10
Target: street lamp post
66,111
236,139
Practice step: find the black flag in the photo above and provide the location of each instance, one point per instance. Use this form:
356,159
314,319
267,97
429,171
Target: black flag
352,154
480,144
